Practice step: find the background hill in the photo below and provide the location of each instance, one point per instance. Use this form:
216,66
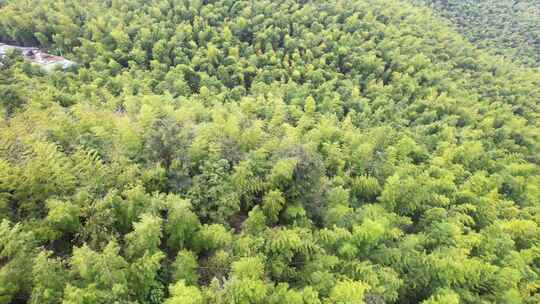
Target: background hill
505,27
264,152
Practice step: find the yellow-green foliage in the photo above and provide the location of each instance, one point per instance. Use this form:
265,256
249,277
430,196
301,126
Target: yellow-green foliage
264,152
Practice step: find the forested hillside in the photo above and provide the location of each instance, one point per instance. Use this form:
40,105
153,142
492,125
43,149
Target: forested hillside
504,27
264,152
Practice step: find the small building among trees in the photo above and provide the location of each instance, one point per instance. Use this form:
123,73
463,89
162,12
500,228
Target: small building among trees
38,57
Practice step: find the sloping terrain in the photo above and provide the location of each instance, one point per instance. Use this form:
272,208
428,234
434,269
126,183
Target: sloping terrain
504,27
264,152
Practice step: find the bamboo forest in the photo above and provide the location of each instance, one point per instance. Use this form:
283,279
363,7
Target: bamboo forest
269,151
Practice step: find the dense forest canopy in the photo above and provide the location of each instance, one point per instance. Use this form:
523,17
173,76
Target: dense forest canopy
264,152
505,27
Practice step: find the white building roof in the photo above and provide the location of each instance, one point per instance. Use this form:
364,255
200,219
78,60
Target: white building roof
38,57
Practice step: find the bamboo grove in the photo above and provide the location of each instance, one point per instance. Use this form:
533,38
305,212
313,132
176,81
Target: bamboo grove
264,152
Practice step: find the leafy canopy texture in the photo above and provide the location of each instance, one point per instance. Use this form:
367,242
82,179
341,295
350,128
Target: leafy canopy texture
264,152
505,27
